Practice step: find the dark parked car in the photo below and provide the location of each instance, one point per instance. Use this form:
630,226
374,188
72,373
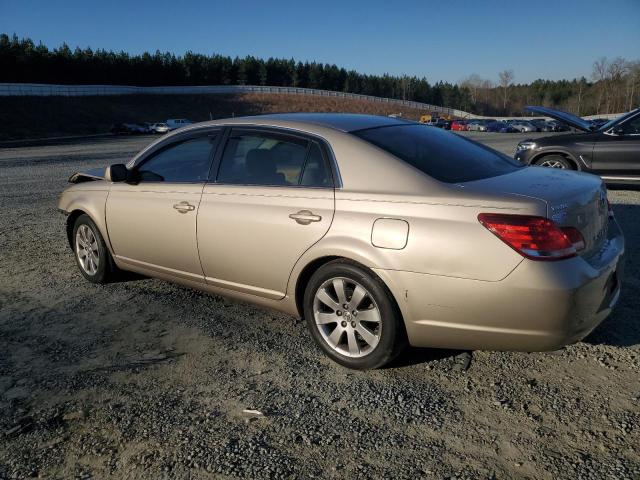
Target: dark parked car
501,127
598,122
557,126
128,128
440,123
544,125
611,151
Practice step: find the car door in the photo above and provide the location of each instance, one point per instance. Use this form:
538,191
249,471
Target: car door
617,151
271,200
152,224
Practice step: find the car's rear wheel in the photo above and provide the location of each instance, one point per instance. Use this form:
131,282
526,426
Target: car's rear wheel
91,253
352,316
554,161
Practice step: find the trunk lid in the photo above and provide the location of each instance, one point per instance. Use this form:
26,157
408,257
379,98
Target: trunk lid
573,199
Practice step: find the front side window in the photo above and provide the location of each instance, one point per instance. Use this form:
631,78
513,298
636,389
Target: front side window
261,158
185,162
447,157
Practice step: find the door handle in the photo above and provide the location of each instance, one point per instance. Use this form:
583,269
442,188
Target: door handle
305,217
184,207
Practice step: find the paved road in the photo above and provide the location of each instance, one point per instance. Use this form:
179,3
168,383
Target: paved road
144,379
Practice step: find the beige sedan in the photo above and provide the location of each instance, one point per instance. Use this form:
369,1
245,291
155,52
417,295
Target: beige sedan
378,231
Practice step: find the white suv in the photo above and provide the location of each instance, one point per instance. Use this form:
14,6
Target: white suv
174,123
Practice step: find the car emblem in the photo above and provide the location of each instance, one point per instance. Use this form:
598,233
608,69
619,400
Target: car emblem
602,202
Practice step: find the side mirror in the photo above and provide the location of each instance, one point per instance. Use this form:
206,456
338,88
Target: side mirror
618,130
116,173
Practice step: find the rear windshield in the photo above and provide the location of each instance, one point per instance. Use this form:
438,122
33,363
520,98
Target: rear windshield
445,156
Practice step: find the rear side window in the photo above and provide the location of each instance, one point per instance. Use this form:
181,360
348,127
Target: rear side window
447,157
273,159
316,172
262,159
185,162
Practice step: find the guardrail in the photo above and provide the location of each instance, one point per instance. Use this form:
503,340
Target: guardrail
44,89
41,89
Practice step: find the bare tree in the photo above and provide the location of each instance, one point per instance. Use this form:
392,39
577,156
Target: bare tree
486,86
599,75
617,73
474,83
633,83
582,83
506,77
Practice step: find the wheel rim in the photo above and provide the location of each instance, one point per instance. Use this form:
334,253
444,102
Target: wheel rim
552,164
347,317
87,249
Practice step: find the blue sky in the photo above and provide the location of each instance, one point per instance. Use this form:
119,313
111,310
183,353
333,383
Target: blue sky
441,39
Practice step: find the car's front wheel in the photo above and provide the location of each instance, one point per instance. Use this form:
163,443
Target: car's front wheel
91,253
352,316
554,161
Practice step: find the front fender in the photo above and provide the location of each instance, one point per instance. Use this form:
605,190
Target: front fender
91,201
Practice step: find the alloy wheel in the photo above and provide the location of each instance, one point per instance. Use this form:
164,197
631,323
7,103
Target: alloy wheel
552,164
347,317
87,249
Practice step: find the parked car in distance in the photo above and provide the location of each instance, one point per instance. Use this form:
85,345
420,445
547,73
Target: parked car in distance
524,126
459,126
440,123
542,125
478,125
174,123
444,242
159,128
611,151
128,128
598,122
558,126
501,127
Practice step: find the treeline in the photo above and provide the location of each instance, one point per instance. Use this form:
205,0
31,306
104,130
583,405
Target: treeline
614,86
22,61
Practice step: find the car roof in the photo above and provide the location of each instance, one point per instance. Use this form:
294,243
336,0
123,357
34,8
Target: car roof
344,122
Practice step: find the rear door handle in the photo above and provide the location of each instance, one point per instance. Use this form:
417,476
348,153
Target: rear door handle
184,207
305,217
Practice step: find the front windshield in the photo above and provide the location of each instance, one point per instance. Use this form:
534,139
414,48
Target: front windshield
611,123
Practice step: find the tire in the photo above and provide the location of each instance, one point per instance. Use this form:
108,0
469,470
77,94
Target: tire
90,251
369,333
554,161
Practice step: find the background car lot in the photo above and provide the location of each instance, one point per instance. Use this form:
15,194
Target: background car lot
146,379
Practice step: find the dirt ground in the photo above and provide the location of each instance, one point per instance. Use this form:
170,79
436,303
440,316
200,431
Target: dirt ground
144,379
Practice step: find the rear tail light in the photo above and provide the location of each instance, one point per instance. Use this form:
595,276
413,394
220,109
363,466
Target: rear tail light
536,238
575,237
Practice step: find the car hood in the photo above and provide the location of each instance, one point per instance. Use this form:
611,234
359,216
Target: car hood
568,118
92,174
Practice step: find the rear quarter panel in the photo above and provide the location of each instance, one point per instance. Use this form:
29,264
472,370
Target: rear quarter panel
444,236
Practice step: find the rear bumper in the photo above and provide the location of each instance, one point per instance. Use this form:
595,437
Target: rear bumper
539,306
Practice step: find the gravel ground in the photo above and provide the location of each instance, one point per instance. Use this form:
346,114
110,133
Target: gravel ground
144,379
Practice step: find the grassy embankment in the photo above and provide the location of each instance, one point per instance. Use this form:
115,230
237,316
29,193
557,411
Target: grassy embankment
37,117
